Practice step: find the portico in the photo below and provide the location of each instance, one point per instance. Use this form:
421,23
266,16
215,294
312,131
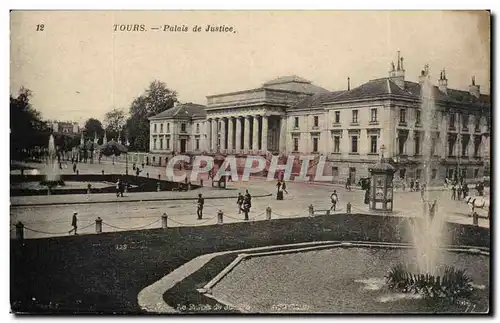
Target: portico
233,133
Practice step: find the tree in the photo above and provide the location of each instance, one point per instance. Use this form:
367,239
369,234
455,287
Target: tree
27,129
156,99
92,128
115,121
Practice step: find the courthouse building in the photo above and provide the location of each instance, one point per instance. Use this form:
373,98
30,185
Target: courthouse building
350,127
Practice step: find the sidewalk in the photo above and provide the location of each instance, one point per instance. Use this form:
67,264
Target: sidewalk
68,199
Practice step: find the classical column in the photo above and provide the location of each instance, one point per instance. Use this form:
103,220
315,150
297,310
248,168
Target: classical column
223,134
230,134
264,133
238,134
255,132
206,141
283,135
213,136
246,134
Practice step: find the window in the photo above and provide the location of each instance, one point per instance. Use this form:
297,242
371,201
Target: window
434,173
451,144
352,174
335,171
183,127
477,143
161,127
154,159
465,142
337,116
354,116
336,144
296,122
316,121
465,122
418,117
374,115
168,127
402,116
197,128
168,144
154,128
373,144
161,144
154,144
452,121
197,144
433,146
477,123
315,144
417,144
354,144
476,172
295,144
419,174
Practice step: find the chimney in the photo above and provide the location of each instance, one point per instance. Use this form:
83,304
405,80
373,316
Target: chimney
474,89
443,81
397,75
424,74
348,84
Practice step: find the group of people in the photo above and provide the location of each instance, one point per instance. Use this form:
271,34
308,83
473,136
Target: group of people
459,191
244,203
281,188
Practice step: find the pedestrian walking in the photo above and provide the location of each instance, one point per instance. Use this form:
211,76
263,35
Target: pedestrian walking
465,190
74,223
459,192
249,197
412,184
334,198
453,191
283,187
348,184
239,202
417,184
201,202
118,186
74,167
247,204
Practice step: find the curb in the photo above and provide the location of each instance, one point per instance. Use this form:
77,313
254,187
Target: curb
137,200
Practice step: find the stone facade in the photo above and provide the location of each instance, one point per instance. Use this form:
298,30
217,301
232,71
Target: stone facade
290,115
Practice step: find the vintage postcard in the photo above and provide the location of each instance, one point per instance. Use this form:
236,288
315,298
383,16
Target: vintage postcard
262,162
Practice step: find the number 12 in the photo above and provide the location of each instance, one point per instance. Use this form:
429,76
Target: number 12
40,27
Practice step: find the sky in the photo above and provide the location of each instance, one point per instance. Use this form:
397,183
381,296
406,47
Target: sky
78,67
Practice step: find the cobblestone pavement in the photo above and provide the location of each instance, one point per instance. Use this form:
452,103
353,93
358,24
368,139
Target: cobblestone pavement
130,212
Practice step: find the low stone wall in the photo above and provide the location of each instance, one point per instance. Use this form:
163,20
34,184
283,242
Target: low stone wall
139,184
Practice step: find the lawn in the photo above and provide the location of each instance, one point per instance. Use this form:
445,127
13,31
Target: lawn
104,273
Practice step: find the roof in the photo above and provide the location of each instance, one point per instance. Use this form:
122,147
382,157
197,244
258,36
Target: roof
316,100
294,83
385,86
185,110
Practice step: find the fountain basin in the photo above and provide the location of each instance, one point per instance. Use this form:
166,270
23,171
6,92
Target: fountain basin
341,279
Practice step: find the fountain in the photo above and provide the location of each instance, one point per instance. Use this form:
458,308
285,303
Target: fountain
427,232
52,177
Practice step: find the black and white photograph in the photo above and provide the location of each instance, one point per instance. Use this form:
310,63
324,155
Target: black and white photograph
179,162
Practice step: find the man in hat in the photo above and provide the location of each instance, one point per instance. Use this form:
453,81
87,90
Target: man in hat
74,223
